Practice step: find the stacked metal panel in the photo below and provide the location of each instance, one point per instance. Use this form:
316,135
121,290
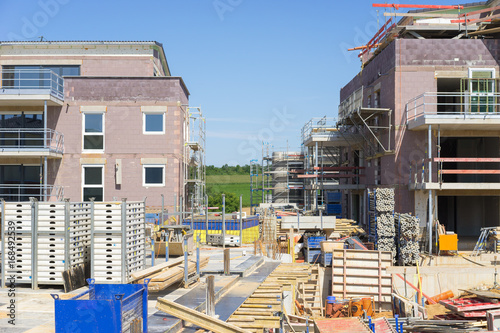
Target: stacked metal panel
18,245
118,241
51,247
53,237
135,237
80,223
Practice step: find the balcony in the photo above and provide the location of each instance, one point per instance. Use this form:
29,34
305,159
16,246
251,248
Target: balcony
31,87
455,173
22,192
454,111
24,142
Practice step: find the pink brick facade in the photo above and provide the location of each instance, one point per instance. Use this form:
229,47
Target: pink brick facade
404,70
121,79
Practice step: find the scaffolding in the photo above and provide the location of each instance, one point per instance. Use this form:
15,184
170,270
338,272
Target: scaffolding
194,152
372,123
273,180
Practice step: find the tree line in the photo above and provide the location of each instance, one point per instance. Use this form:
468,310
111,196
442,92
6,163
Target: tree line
212,170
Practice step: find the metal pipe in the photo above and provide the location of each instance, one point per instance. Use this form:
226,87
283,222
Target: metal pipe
223,221
45,177
186,275
162,208
241,220
124,260
181,210
206,219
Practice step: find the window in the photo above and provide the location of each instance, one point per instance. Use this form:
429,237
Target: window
153,175
482,89
93,131
93,182
376,99
153,123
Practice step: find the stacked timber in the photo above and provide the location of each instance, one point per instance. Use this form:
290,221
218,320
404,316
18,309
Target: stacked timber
168,273
347,227
261,310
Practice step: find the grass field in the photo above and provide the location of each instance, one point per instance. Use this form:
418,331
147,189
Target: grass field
237,184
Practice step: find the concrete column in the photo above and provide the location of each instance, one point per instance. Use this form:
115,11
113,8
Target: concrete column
429,156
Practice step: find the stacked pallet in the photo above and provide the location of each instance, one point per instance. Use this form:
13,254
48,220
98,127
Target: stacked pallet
258,311
168,273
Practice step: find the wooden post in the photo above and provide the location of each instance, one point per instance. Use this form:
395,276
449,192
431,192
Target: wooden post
210,310
227,262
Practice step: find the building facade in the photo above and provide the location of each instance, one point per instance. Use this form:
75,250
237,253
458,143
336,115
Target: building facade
102,120
425,108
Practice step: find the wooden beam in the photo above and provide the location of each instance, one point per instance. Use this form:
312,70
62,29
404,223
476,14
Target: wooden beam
470,172
485,32
397,6
422,15
486,10
487,18
196,318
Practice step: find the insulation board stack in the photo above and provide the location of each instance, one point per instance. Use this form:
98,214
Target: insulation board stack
118,242
408,249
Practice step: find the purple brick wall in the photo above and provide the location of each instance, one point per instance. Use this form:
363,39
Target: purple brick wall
410,65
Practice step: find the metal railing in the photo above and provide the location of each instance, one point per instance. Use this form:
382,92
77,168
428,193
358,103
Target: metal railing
419,171
351,103
31,139
466,105
319,127
24,80
22,192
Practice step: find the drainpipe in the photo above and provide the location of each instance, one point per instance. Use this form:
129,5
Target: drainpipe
45,145
429,156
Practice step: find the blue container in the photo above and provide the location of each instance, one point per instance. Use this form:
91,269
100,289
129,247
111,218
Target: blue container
334,209
333,197
330,299
326,259
313,256
109,308
313,242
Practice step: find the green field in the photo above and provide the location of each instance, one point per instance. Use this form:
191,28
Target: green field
237,184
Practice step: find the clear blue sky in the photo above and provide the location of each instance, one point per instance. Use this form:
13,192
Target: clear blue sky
259,69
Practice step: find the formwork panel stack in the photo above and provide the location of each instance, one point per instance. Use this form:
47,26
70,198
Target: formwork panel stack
118,241
41,240
17,215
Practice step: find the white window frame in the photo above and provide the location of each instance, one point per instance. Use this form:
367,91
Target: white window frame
92,185
144,131
144,166
84,114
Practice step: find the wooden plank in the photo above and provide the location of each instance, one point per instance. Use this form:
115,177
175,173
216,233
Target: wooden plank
197,318
155,269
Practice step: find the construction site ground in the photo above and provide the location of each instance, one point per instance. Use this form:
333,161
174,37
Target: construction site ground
35,308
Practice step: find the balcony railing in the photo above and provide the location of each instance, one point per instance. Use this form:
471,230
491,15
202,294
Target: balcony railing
22,192
463,169
27,139
31,81
319,127
456,105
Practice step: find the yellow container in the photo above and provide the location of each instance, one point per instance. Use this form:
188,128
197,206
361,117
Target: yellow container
448,242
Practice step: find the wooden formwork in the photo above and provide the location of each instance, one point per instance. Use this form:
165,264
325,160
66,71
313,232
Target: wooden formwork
362,273
258,311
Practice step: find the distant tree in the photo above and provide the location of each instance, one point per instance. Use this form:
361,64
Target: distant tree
232,201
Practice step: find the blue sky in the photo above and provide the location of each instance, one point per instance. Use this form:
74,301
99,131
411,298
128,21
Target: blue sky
259,69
